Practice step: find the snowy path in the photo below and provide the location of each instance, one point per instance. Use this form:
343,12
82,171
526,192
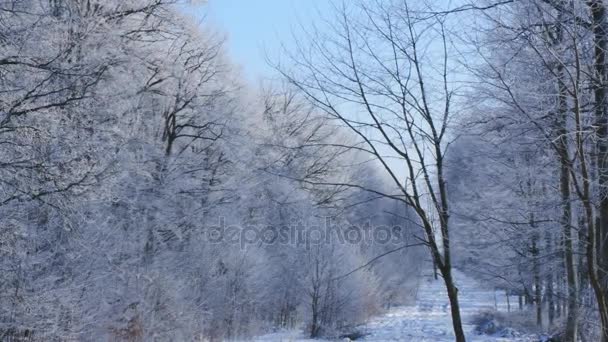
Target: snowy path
428,320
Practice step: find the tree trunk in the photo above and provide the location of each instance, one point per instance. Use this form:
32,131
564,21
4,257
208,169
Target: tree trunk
537,280
583,280
454,305
550,290
447,257
550,298
566,220
598,273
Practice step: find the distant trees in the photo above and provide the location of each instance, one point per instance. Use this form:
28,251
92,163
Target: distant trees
304,147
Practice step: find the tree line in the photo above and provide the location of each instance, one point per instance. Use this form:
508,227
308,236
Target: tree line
127,138
478,130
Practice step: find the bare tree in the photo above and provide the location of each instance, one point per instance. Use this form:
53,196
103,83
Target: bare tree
383,72
598,263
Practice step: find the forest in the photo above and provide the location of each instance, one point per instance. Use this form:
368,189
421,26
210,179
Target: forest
151,192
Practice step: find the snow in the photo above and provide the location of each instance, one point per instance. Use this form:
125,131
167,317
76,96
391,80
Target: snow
429,319
285,336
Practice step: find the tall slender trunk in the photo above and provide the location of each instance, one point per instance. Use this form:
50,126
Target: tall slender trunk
549,281
444,265
444,216
454,304
583,280
566,219
536,275
442,253
599,272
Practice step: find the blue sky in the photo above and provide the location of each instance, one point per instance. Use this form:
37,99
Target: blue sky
256,26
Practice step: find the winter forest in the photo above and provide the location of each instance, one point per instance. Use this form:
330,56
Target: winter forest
413,170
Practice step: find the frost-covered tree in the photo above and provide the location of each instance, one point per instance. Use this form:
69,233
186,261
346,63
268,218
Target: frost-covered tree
127,139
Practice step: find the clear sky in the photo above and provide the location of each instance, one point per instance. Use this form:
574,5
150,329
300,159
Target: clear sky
256,26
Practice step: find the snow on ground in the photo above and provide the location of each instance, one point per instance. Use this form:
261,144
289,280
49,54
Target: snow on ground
429,319
285,336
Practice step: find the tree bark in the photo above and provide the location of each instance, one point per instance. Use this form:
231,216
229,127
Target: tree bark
566,219
598,272
550,289
454,304
537,280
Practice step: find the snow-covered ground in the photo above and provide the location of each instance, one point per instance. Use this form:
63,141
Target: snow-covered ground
428,320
